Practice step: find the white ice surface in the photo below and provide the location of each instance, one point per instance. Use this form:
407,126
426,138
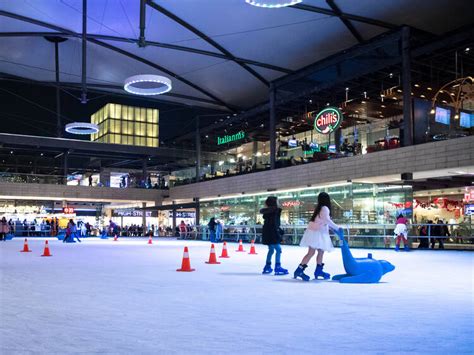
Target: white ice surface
125,297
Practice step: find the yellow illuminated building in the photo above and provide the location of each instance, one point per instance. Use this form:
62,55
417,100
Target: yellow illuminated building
121,124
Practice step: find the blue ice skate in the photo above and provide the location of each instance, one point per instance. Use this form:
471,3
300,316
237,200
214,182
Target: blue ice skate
320,273
280,271
267,269
299,272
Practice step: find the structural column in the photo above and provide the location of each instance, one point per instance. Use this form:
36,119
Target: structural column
198,150
198,211
66,168
174,217
406,87
144,171
272,126
254,154
144,218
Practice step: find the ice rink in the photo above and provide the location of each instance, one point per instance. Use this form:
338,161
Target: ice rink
126,297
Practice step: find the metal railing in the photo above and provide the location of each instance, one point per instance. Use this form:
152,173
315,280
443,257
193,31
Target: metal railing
358,235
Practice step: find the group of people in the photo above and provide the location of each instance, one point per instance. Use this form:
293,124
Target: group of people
434,232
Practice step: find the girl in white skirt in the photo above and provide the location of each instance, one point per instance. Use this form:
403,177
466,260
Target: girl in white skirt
316,237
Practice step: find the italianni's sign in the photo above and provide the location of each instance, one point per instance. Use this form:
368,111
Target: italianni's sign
231,138
328,120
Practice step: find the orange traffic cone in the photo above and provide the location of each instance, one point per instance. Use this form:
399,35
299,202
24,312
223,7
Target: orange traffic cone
241,247
252,248
115,238
150,241
224,251
186,264
46,249
25,247
212,256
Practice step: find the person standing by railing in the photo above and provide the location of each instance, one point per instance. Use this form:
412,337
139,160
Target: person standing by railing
401,233
4,229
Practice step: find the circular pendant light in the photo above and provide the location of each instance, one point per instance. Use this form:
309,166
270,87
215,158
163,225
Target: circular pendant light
82,128
273,4
147,84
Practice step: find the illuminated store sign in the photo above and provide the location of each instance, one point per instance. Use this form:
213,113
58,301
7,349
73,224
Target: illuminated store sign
68,210
232,138
132,213
328,120
291,204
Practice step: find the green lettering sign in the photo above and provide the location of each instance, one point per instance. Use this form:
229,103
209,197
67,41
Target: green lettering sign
231,138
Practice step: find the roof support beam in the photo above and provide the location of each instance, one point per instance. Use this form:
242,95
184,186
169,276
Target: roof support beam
153,44
84,52
141,39
357,18
209,40
345,21
121,51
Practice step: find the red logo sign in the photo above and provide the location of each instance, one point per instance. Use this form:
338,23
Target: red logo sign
225,208
68,210
328,120
291,203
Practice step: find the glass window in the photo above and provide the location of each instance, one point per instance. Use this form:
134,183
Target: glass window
154,130
155,116
149,142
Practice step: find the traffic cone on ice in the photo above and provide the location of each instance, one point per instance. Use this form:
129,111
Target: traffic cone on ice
252,248
115,238
25,247
224,251
46,249
150,241
186,264
212,256
241,247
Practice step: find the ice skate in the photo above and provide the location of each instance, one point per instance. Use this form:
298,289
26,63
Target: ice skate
319,272
397,248
267,269
299,272
280,271
406,247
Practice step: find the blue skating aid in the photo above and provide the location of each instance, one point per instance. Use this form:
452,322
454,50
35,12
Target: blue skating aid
361,270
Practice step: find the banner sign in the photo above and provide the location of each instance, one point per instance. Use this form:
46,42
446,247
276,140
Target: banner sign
182,214
133,213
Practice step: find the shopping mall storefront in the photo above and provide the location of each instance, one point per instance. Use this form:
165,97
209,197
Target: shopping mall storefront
352,203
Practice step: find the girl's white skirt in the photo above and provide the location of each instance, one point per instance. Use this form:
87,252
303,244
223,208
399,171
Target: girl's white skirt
317,240
400,229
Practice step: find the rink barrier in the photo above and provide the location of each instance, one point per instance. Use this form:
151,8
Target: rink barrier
359,235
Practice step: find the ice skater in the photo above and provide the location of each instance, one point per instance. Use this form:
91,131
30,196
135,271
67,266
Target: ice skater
401,233
271,235
316,237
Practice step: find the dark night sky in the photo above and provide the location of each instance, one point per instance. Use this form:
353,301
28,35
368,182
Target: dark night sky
31,109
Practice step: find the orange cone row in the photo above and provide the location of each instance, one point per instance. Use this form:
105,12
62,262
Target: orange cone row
186,263
46,251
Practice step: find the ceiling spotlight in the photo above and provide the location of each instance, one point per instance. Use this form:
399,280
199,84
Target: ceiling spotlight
432,112
422,96
147,84
391,75
417,85
310,101
467,49
41,154
429,88
273,4
11,151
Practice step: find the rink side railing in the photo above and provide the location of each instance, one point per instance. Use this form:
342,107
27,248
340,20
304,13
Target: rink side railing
358,235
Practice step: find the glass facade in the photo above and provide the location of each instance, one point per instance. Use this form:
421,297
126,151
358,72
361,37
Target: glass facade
120,124
353,203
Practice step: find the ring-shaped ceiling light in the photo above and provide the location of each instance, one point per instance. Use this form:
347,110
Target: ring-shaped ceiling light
273,4
82,128
147,84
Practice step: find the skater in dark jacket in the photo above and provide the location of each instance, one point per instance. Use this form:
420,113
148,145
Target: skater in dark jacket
271,235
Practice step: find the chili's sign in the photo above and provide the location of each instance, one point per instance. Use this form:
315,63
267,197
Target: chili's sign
328,120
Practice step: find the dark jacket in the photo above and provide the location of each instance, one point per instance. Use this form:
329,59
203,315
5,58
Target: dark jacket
271,225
